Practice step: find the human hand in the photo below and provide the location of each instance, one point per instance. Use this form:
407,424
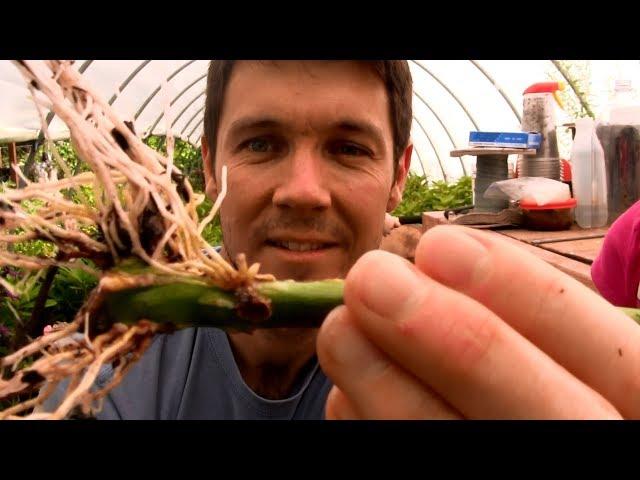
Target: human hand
390,222
477,328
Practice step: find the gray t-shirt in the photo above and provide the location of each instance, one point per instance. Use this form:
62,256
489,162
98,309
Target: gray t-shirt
191,374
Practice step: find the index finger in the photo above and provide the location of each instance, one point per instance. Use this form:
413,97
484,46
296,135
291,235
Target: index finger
576,327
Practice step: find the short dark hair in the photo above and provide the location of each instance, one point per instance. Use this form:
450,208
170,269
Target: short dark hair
395,75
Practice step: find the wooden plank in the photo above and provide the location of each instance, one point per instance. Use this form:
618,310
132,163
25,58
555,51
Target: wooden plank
544,241
532,235
478,220
431,219
585,250
578,270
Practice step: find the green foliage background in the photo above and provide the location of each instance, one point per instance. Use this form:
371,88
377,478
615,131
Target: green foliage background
420,195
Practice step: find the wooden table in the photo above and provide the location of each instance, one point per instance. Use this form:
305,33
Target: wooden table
582,245
571,251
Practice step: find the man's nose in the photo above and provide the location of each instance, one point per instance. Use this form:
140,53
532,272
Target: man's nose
304,184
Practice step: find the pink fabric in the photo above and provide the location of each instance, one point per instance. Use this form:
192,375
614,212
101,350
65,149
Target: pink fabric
616,270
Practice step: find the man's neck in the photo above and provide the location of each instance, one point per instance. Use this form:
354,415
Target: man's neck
273,362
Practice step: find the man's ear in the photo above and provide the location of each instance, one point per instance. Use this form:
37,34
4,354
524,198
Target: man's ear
395,196
211,187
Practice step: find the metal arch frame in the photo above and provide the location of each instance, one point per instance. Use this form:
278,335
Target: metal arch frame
564,74
121,88
191,120
499,89
515,111
194,129
444,174
127,80
437,79
420,156
158,88
415,149
455,97
200,135
460,103
155,124
453,143
571,82
175,120
195,143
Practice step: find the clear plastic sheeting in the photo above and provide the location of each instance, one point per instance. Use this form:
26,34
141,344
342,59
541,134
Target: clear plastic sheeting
451,98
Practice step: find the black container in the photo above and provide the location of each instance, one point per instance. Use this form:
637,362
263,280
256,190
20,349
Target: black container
621,145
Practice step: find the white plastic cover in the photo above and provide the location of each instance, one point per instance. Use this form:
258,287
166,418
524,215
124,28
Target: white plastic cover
451,97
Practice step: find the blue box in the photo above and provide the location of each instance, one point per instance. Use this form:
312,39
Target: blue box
505,139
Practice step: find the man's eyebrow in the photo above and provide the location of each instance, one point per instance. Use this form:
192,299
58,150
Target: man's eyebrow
248,123
361,126
354,125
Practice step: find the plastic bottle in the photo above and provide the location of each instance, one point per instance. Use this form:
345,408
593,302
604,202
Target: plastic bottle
623,109
589,176
539,115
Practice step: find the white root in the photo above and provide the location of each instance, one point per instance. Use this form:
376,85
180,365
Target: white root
131,183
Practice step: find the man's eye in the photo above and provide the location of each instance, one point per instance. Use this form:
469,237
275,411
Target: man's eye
349,149
259,145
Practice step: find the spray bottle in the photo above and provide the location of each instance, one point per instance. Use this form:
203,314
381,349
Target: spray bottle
538,115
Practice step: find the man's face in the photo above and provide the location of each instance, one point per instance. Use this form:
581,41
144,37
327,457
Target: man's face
308,148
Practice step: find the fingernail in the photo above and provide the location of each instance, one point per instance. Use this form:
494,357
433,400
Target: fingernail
456,258
350,347
385,282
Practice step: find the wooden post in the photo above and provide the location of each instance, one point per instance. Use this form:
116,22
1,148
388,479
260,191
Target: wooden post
13,161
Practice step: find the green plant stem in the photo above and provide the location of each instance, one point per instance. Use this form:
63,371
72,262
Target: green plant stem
293,304
37,320
188,302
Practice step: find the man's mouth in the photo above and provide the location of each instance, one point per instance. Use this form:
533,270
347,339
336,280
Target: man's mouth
298,246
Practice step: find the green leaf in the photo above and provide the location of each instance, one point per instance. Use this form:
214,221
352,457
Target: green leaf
421,196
